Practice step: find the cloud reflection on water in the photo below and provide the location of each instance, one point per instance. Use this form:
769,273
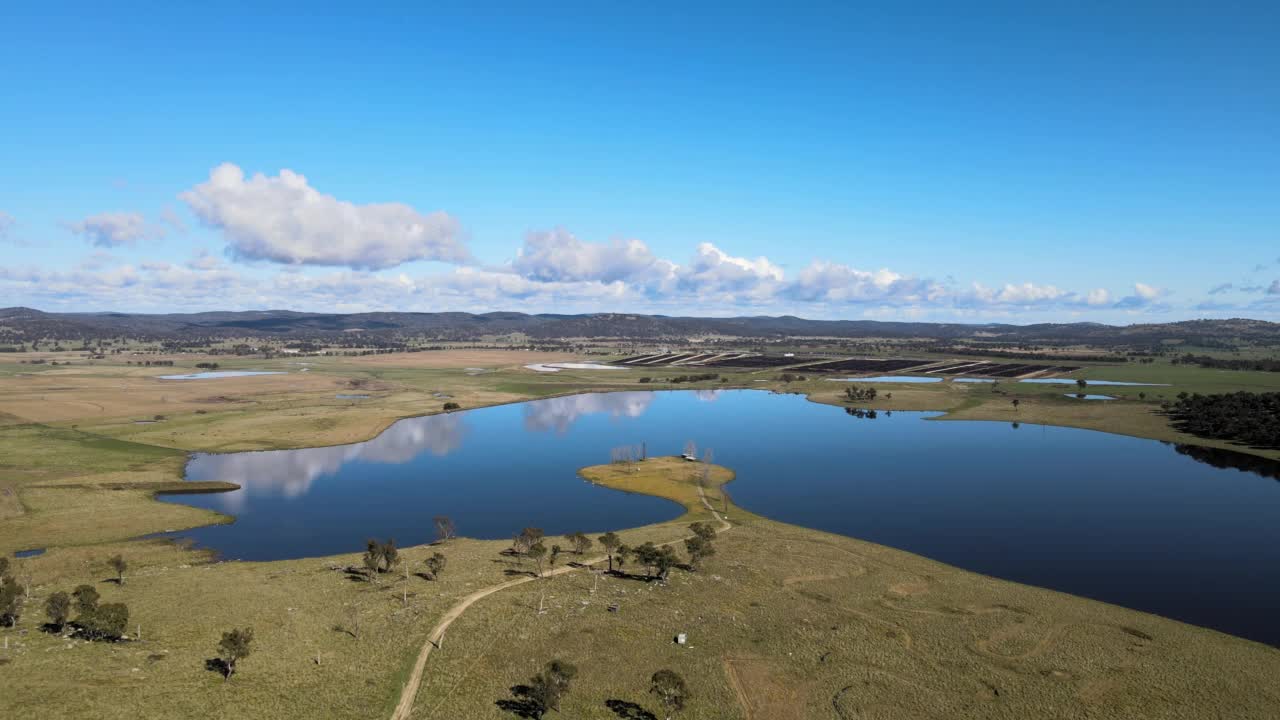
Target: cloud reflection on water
559,414
290,473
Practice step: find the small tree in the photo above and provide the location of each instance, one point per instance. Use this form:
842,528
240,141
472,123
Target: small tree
235,646
1015,402
699,548
671,691
390,555
373,559
107,622
58,608
610,542
380,556
10,602
555,555
536,553
436,564
657,561
451,406
702,530
527,538
445,529
1082,383
119,564
86,600
549,687
580,542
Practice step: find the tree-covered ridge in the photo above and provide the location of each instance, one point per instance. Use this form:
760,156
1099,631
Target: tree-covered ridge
1242,417
1208,361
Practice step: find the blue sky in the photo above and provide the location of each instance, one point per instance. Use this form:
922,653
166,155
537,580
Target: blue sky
1007,162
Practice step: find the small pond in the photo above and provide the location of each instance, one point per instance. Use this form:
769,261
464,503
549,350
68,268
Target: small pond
215,374
557,367
1087,396
33,552
1071,381
890,379
1183,532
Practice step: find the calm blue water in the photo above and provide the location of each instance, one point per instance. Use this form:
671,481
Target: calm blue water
1120,519
1085,396
215,374
889,379
1071,381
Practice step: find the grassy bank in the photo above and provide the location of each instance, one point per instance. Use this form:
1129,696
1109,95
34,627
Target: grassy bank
785,622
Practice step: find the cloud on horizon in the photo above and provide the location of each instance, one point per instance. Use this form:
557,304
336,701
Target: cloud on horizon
283,219
284,230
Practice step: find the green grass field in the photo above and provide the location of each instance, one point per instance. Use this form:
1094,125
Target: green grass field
78,473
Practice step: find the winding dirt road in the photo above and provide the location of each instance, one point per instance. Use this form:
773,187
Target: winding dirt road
409,694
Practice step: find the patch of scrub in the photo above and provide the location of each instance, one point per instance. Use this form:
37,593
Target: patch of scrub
1089,397
348,396
213,375
557,367
1071,381
28,553
890,379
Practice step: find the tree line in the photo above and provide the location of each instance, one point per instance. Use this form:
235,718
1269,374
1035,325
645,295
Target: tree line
1242,417
1208,361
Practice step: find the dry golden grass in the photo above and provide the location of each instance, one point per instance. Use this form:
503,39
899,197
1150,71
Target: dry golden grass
783,619
461,359
96,394
304,662
786,622
672,478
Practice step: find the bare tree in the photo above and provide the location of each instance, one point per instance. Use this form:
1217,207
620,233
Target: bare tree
580,542
445,529
119,564
526,540
351,621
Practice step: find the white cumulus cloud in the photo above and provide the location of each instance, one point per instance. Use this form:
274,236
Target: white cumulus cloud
283,219
712,270
557,256
832,282
113,229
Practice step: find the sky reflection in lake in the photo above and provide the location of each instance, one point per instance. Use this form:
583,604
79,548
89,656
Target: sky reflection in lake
1121,519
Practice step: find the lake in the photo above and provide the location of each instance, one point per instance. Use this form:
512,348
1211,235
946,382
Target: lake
1071,381
216,374
1180,532
889,379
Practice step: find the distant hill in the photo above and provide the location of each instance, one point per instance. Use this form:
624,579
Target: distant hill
19,324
